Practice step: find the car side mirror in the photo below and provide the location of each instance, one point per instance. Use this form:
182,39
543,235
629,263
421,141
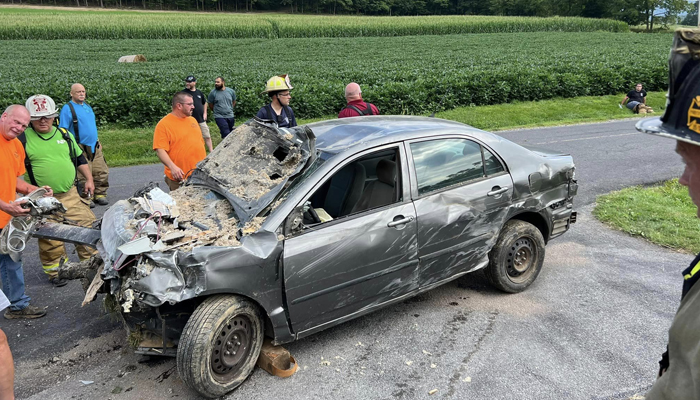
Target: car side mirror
293,223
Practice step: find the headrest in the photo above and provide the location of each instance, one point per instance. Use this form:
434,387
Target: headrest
386,172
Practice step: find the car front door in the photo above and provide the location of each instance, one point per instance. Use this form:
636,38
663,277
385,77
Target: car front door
361,250
461,194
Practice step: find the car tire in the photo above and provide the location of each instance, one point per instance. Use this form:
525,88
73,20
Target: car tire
220,345
517,258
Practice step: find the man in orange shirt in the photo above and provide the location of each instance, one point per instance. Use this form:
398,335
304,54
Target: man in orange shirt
12,123
178,141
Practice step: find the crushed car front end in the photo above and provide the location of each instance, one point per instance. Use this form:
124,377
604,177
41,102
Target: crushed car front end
164,253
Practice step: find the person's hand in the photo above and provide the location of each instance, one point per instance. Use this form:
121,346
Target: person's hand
89,188
177,173
49,191
14,208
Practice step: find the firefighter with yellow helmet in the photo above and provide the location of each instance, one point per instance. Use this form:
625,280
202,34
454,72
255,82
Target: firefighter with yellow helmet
278,89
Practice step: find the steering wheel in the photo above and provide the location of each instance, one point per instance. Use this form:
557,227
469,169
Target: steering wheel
314,215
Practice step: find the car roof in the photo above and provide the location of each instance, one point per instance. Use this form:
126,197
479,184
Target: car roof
335,136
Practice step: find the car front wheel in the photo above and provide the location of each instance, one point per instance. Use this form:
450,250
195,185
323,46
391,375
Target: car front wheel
220,345
517,258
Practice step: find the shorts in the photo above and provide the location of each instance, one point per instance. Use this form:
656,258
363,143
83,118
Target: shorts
632,104
205,130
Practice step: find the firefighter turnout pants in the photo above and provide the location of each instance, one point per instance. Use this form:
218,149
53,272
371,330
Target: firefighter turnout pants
52,251
99,169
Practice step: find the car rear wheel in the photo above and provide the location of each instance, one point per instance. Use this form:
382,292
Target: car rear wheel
220,344
517,258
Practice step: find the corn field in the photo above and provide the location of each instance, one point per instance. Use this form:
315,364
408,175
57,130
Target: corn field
401,75
61,24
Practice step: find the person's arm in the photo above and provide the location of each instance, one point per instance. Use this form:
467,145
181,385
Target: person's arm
14,208
233,105
177,173
26,188
210,100
624,100
644,100
65,119
205,112
89,182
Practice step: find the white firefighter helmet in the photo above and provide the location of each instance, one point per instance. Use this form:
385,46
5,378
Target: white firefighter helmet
41,105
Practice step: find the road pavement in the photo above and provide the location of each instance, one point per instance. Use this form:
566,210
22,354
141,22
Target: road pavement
591,327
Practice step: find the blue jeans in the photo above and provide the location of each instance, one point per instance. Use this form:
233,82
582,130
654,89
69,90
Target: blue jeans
225,125
13,282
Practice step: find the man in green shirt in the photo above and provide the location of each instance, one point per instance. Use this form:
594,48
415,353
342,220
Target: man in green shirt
52,159
222,100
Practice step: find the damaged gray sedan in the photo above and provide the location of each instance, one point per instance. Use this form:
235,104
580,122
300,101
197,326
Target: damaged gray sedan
285,232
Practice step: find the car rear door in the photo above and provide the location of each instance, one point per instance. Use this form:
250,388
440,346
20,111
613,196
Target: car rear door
461,191
338,269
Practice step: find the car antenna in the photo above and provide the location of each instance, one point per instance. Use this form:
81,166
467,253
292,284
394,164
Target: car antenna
439,105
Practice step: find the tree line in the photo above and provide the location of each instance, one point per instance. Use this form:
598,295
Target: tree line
634,12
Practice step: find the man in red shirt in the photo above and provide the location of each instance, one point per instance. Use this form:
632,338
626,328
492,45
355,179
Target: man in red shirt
356,107
178,141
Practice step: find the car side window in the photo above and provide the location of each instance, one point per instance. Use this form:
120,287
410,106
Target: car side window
371,181
492,165
447,162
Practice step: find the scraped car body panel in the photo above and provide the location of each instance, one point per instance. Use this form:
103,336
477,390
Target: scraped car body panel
310,279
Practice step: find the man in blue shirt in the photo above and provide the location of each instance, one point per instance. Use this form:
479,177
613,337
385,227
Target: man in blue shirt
222,100
77,117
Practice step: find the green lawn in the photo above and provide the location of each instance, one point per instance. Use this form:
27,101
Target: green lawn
133,146
663,214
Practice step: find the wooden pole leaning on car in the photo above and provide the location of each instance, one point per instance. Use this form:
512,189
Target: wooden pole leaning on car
277,360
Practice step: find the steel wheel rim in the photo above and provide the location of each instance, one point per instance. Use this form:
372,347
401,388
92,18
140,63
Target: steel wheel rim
231,347
521,259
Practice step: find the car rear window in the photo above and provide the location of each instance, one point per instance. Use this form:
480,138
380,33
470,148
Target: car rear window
447,162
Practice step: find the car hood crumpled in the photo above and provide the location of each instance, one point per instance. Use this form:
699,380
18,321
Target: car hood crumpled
253,165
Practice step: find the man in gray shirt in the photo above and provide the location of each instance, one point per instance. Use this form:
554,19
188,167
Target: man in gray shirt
221,101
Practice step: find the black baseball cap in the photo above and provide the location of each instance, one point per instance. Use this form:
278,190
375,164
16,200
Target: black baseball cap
191,78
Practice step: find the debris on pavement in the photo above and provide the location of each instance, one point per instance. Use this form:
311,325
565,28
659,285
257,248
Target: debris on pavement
432,392
276,360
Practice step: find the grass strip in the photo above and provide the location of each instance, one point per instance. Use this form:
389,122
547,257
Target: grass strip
133,146
663,214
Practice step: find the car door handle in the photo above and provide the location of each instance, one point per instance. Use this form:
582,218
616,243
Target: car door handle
495,191
398,222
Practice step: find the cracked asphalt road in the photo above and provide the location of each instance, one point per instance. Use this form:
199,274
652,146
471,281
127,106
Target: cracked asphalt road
592,326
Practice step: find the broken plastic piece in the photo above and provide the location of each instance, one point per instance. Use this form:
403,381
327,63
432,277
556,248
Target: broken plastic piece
138,246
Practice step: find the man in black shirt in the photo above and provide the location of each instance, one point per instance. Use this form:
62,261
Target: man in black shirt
637,100
200,108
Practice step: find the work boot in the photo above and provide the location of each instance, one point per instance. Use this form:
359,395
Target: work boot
92,204
28,312
57,282
101,200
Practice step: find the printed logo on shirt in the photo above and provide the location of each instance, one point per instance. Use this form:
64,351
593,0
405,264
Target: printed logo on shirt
60,141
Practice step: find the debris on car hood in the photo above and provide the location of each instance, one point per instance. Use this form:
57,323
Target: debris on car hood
253,166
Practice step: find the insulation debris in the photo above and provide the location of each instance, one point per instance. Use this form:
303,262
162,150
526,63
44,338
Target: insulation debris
254,163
